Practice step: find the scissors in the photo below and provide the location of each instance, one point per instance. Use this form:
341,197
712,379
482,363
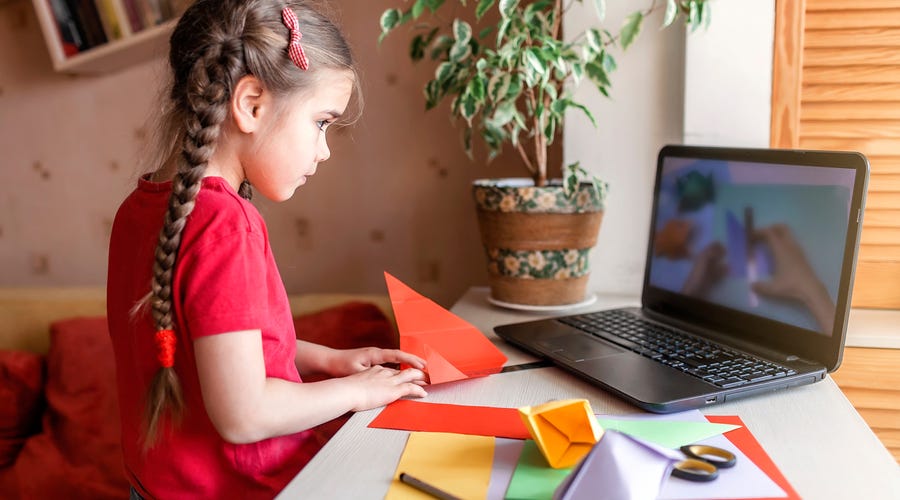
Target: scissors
703,462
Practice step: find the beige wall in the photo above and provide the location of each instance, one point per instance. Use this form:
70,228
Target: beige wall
395,195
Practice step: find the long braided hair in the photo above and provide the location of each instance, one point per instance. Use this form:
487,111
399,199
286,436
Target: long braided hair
214,45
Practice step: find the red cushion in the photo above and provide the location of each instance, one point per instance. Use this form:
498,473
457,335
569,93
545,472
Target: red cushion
79,453
21,401
347,326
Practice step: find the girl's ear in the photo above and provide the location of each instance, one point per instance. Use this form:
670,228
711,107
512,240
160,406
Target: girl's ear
248,101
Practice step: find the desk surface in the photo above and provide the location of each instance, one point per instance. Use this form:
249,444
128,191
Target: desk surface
812,433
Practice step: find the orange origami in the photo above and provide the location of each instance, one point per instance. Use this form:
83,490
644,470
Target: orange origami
452,348
564,431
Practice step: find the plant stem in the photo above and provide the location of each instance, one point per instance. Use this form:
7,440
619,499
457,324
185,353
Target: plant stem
540,175
525,159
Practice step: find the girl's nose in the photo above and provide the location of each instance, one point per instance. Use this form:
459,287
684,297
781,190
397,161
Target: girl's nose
324,152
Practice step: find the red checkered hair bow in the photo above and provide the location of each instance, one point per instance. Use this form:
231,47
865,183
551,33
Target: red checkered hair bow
295,50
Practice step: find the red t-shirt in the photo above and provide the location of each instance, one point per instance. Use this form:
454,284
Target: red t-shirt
225,280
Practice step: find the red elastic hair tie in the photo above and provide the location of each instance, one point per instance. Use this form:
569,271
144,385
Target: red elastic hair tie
165,348
295,50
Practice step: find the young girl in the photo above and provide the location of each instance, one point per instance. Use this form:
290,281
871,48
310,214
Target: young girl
212,402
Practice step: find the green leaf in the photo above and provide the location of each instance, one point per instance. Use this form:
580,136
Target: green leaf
515,88
535,62
462,31
594,39
572,178
459,53
705,14
434,5
418,8
577,72
417,48
631,28
483,6
498,85
609,64
501,31
441,46
444,72
389,20
485,32
559,106
585,110
597,74
476,89
469,108
600,7
505,113
671,13
431,94
550,130
467,142
507,6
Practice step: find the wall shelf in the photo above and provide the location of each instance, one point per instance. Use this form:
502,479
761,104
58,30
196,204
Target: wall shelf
114,55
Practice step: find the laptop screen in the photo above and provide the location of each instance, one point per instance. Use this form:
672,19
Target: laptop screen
762,237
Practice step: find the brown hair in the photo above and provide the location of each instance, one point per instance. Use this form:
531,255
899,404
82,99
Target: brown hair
215,44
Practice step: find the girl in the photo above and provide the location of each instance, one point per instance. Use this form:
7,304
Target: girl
212,403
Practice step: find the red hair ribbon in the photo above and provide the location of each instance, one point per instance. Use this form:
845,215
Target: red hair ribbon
165,348
295,50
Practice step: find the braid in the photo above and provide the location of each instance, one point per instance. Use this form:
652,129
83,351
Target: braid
208,92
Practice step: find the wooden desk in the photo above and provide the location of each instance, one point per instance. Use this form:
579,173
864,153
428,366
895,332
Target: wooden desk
812,432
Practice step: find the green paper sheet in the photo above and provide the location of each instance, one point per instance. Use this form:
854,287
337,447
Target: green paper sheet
667,433
533,479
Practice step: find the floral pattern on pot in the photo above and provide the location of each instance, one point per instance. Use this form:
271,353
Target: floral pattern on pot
520,195
539,264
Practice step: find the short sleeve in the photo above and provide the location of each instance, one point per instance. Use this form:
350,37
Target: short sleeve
223,284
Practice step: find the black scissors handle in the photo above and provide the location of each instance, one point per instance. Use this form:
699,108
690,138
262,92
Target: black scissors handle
695,470
703,463
722,459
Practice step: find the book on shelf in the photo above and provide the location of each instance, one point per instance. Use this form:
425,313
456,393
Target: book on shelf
112,16
88,18
134,15
71,39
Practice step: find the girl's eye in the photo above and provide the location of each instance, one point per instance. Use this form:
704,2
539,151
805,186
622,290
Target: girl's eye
322,124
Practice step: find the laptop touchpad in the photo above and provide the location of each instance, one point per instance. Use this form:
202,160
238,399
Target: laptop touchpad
578,348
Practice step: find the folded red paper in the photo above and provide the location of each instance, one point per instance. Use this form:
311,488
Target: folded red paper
458,419
452,348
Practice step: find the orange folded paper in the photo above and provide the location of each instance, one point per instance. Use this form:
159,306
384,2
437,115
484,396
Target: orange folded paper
564,431
452,348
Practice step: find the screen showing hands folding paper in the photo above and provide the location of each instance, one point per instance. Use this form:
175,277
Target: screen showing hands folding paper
759,238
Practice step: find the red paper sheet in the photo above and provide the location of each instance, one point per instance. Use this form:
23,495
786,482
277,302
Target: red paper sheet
437,417
743,439
453,349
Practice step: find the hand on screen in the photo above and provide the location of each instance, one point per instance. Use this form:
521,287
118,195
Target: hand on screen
709,268
793,278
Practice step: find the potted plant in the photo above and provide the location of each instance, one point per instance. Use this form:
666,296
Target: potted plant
510,77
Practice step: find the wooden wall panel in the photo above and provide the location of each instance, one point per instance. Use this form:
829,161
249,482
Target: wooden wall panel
870,378
846,74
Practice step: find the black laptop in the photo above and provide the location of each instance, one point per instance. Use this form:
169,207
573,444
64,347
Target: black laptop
750,265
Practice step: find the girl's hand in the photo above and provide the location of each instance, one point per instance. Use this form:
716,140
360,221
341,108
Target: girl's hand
379,385
345,362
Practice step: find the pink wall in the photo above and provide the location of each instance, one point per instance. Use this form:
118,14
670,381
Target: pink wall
394,196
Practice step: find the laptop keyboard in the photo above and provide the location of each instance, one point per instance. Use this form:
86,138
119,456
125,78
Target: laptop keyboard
695,356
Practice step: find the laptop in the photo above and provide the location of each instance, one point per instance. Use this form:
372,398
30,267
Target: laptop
749,271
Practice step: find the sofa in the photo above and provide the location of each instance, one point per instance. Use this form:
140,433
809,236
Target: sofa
59,429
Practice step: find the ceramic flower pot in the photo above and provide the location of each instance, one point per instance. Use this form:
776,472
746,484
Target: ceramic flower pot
537,239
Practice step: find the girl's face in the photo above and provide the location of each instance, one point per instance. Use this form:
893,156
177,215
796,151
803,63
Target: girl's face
288,150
